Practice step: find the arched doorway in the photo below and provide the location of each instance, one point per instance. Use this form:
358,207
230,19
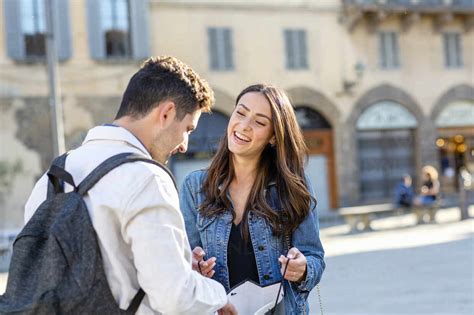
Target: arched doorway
386,149
321,163
202,145
455,126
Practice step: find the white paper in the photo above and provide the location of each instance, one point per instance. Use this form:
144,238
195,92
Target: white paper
250,298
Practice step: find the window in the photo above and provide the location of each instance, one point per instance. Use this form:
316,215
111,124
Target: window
34,27
389,50
118,29
220,49
115,15
398,2
25,23
463,3
452,50
296,49
431,2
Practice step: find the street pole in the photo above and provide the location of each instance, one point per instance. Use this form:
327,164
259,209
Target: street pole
465,182
55,104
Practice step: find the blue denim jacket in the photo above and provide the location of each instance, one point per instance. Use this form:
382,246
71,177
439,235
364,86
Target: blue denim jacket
212,234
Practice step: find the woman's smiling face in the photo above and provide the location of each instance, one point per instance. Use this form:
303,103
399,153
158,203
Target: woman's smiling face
250,127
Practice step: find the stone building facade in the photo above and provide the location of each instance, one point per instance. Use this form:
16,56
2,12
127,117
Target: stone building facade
381,88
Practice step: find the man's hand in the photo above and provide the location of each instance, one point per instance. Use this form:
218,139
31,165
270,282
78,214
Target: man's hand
206,266
228,309
296,271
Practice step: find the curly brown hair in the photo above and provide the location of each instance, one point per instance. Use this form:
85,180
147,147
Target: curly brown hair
165,78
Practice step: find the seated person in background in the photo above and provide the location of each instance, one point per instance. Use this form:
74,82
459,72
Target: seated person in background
404,192
429,188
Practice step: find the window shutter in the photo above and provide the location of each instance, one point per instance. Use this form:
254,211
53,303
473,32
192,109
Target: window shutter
63,29
139,29
446,50
14,35
458,50
290,64
303,50
396,50
452,50
94,29
213,58
382,51
229,62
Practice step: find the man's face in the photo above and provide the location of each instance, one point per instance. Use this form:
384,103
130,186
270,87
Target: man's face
174,138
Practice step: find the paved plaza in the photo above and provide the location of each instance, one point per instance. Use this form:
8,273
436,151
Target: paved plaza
399,268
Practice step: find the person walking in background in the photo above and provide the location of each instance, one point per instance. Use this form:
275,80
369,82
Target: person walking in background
404,192
429,188
254,202
134,209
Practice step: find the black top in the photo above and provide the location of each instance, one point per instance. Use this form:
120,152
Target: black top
429,184
240,258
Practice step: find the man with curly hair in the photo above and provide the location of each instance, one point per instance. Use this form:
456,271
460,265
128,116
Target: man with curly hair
134,209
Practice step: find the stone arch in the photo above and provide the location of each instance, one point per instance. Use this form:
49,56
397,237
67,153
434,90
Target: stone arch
424,151
385,92
208,133
224,102
305,96
308,97
457,93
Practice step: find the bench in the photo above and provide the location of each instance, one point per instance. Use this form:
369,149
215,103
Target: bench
426,214
358,216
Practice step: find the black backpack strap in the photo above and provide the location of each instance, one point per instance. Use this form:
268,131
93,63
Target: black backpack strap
113,162
137,300
57,177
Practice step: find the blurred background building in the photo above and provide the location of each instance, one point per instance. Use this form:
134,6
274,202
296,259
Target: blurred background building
380,87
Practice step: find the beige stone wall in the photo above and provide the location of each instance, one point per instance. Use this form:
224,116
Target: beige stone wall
422,73
258,43
19,167
91,90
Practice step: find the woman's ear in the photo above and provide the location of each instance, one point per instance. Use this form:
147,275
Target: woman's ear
272,141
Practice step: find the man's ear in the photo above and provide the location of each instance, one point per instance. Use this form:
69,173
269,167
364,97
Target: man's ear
165,113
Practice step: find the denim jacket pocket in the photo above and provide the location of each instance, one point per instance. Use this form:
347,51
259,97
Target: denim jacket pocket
206,231
203,222
276,242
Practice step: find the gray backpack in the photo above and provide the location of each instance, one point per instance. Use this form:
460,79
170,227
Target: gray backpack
56,266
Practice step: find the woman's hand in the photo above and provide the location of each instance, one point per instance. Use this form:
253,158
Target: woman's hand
228,309
204,267
296,271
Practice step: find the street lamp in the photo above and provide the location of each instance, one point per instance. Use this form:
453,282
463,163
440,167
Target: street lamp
359,69
56,109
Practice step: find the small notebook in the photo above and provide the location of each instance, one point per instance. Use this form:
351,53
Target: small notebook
251,298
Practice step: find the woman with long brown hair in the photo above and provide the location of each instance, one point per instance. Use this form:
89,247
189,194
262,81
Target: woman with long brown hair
254,202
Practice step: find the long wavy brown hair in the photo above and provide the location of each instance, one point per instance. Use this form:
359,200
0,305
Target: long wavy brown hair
282,163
